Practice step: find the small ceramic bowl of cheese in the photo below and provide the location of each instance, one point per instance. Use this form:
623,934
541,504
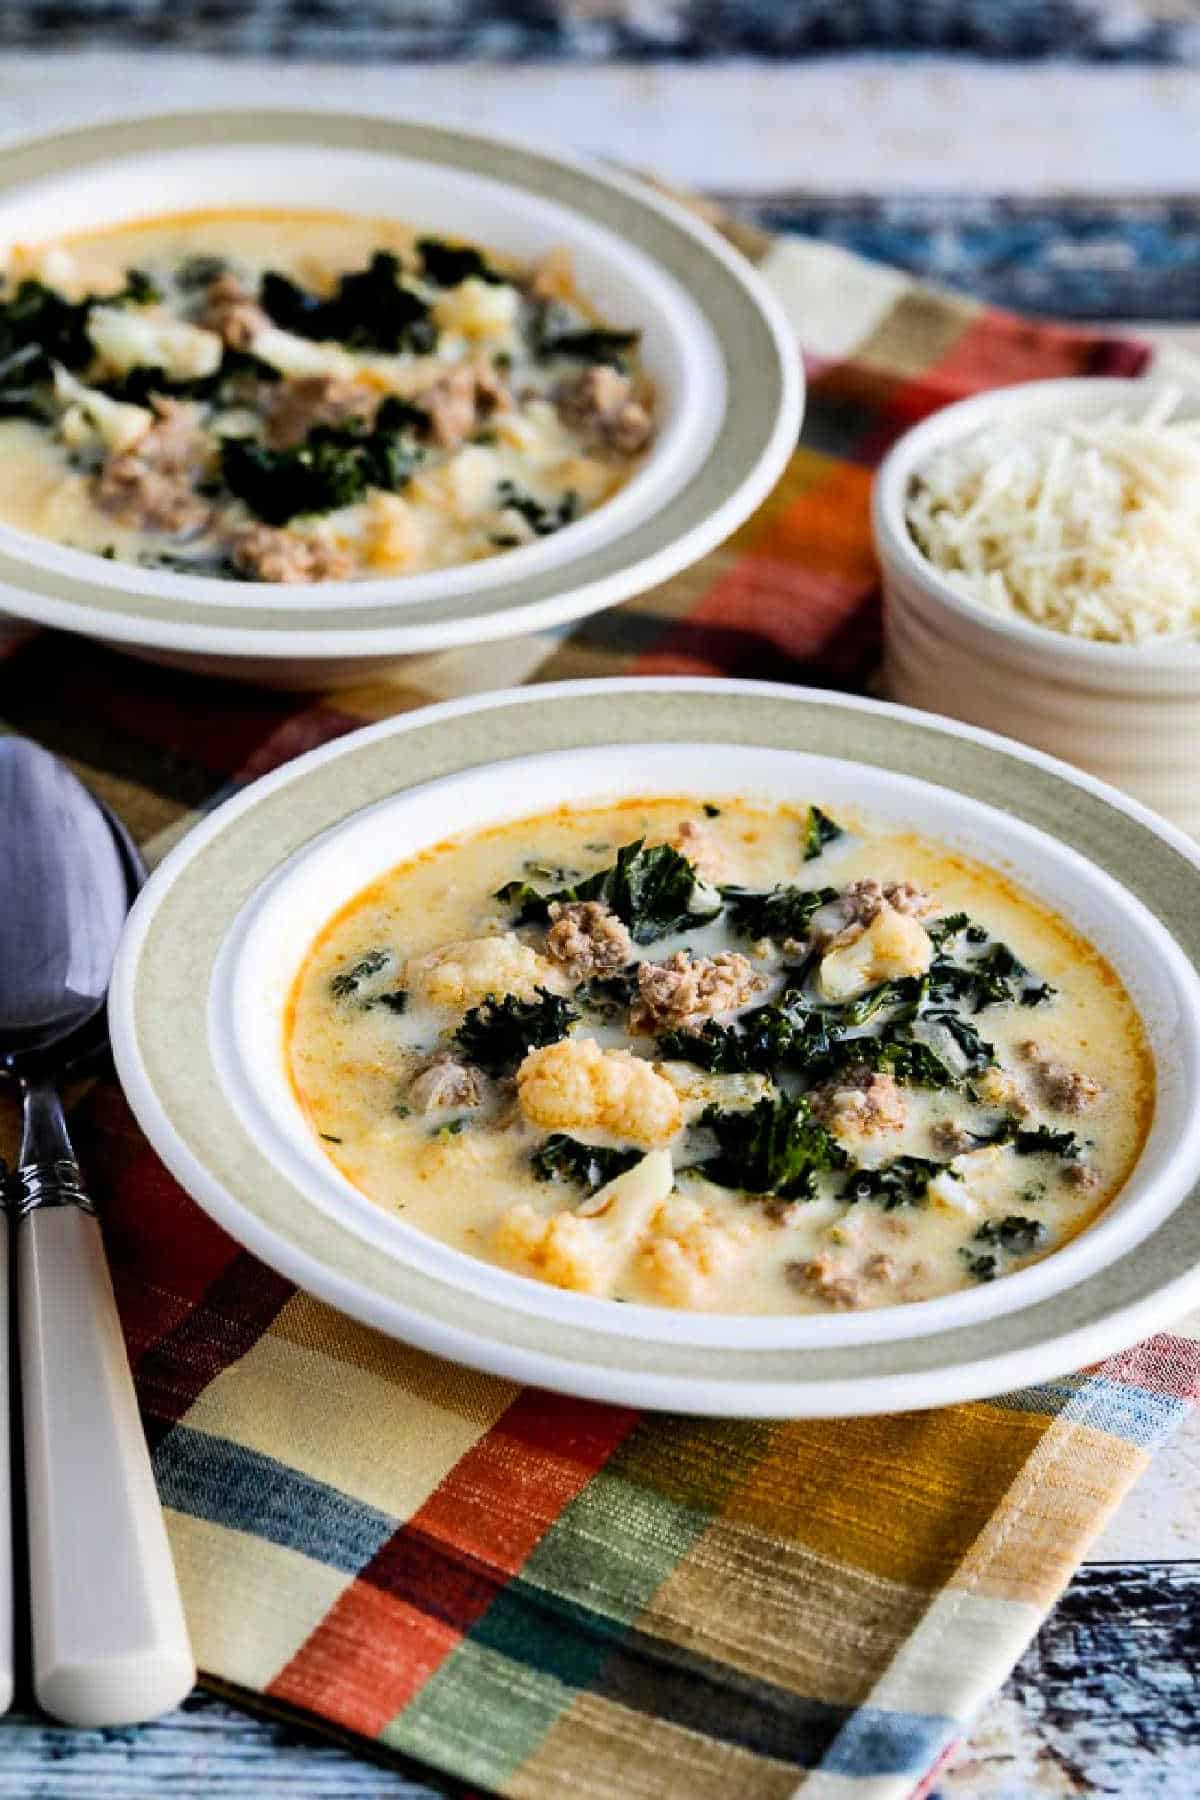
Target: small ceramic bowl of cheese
1041,572
291,396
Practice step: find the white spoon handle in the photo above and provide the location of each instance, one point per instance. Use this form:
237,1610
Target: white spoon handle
6,1510
110,1646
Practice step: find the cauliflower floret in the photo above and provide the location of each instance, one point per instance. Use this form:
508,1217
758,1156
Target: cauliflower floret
298,356
687,1246
975,1182
118,425
465,973
587,1252
127,339
478,309
892,945
575,1085
697,1089
394,533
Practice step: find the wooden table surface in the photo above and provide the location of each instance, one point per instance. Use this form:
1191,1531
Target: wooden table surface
1105,1700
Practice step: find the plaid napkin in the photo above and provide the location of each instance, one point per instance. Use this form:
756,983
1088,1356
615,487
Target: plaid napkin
544,1597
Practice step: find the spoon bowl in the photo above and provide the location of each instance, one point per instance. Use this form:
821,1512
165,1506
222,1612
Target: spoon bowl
64,894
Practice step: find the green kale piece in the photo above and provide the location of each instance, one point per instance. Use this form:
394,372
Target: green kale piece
542,520
1014,1234
445,265
899,1054
394,1001
1040,1140
348,981
774,912
497,1034
608,995
907,993
819,830
1043,1141
563,1158
978,1053
371,309
24,385
943,930
651,890
786,1034
983,1268
333,467
903,1182
35,316
591,345
993,979
775,1147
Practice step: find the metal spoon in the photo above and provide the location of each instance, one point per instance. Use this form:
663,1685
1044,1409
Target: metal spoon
110,1644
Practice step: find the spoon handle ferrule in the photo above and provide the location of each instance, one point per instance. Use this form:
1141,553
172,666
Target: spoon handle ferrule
55,1183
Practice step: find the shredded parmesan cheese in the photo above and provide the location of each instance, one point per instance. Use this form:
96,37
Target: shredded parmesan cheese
1089,527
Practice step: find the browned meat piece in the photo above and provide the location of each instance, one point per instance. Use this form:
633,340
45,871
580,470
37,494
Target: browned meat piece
950,1137
587,938
600,402
293,407
152,487
861,1101
444,1083
683,992
1080,1175
824,1280
232,312
269,553
879,1268
1064,1088
457,403
864,900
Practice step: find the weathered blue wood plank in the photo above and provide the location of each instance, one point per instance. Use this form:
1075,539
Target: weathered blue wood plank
1105,1701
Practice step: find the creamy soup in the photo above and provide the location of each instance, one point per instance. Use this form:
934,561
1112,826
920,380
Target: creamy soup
721,1057
305,397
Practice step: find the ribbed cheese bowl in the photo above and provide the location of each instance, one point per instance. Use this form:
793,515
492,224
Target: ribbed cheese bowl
1129,713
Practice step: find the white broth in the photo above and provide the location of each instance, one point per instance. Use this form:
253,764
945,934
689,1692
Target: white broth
291,397
875,1075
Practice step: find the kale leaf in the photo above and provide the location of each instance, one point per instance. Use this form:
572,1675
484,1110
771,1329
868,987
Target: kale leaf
983,1268
371,309
775,1147
1041,1140
1017,1235
651,890
563,1158
774,912
993,979
608,995
445,265
978,1054
333,467
819,830
24,393
497,1034
899,1054
903,1182
786,1034
35,315
590,345
542,520
348,981
942,931
1045,1142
